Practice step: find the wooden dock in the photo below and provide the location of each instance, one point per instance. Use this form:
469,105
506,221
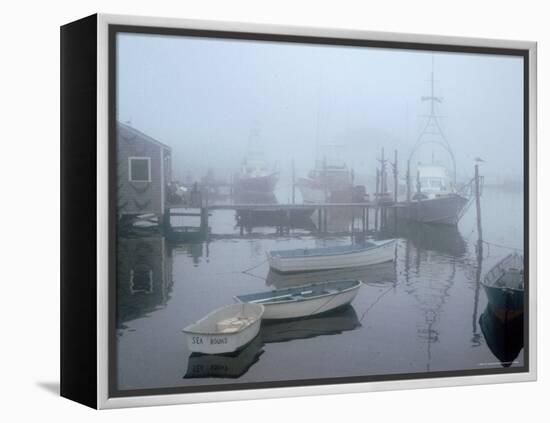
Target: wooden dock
280,215
302,206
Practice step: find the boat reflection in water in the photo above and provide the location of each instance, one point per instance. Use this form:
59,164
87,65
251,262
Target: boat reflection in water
376,273
504,336
331,323
236,364
439,238
232,365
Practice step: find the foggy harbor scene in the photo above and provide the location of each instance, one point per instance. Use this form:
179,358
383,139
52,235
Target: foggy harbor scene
292,212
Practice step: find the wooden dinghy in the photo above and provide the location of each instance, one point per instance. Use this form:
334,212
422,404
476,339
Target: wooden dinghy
305,300
225,330
504,285
339,257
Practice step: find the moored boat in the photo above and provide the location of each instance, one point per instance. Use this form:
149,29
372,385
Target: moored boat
436,200
338,257
330,181
305,300
504,286
225,330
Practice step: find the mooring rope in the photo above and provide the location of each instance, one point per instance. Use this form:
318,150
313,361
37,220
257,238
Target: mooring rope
502,246
254,267
248,271
322,305
376,302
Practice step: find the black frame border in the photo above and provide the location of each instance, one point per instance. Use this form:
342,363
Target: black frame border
114,29
78,211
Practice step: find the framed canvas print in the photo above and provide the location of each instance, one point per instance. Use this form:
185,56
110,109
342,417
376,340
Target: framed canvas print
253,211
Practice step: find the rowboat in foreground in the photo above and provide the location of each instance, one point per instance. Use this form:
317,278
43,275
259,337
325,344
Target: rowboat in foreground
504,286
305,300
225,330
339,257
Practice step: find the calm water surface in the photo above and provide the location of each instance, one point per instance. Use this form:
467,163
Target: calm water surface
419,314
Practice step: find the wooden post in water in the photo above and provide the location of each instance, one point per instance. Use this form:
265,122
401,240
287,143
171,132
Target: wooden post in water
478,206
293,183
204,216
166,221
395,175
288,221
376,198
408,176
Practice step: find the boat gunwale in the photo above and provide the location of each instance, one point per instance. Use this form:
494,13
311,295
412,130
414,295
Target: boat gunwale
377,244
299,300
491,285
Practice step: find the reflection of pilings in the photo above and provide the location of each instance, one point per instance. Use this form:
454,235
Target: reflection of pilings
479,251
479,262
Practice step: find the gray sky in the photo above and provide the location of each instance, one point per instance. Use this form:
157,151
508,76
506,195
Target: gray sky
203,97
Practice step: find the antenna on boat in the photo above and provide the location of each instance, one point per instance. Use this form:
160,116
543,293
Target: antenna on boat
433,128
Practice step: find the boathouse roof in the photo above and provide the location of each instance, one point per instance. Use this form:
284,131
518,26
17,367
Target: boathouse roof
134,131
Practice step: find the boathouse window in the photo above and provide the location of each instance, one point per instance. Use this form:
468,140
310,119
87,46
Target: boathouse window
139,169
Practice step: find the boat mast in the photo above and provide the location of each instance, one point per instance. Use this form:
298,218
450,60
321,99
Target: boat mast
433,128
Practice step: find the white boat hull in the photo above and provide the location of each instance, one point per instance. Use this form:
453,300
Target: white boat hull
311,195
210,342
296,309
383,253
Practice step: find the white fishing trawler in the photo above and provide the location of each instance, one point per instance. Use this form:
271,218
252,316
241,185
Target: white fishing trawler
436,199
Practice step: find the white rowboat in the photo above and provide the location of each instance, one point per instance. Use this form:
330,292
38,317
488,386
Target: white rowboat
305,300
225,330
339,257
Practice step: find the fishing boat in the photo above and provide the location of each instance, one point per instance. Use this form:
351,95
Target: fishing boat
255,178
338,257
255,181
504,286
225,330
305,300
436,199
329,181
